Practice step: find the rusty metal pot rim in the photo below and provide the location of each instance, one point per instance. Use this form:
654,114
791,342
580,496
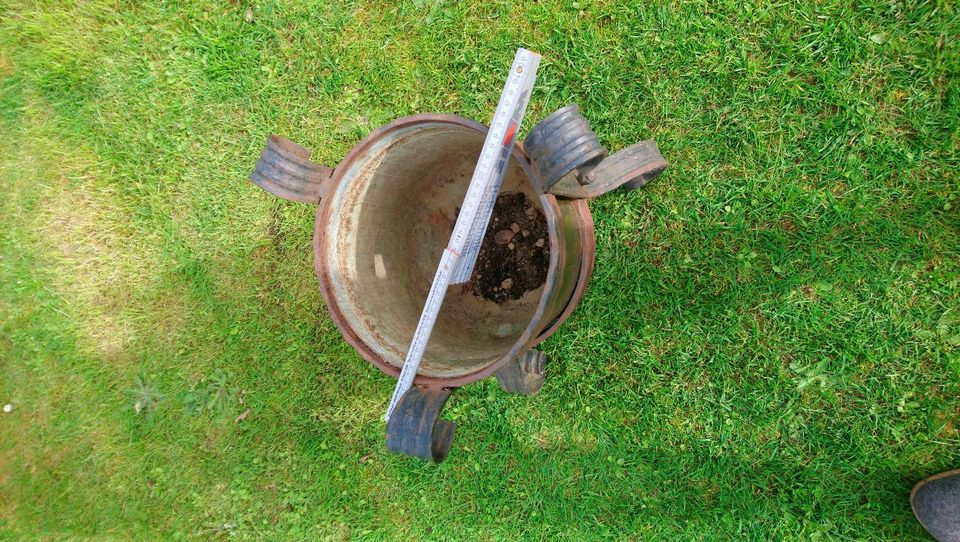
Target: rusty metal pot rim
588,244
552,211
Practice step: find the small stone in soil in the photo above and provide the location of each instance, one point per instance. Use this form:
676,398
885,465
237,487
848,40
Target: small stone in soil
515,227
507,283
504,236
539,242
530,211
511,246
525,233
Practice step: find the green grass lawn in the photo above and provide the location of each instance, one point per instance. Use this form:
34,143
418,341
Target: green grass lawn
769,348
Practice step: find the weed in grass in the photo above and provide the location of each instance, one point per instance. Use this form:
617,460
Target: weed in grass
145,395
214,394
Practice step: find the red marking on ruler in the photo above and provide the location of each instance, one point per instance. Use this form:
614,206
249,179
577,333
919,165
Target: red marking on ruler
511,131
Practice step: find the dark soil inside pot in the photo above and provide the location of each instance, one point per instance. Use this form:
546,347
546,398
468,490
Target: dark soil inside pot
515,254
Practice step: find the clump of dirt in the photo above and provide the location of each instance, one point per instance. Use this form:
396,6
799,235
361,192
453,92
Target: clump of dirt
515,253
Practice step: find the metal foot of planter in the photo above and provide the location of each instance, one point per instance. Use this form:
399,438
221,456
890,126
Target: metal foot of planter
415,428
523,375
385,214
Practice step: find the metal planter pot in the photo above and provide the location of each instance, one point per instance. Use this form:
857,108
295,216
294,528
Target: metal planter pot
385,214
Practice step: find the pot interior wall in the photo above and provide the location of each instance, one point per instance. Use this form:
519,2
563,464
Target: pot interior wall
391,217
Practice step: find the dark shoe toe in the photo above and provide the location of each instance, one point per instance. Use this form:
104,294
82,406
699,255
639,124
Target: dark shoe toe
936,503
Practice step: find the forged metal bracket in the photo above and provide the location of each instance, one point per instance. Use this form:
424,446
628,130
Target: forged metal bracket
571,163
415,428
523,375
285,170
631,167
561,142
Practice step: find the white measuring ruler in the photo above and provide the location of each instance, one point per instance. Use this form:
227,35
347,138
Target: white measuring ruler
456,263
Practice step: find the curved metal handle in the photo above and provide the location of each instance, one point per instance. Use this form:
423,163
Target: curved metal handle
285,170
415,427
560,143
572,163
631,167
